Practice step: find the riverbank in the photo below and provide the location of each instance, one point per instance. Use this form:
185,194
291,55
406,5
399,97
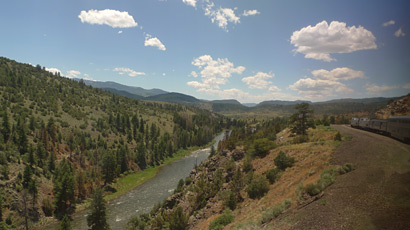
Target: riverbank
127,183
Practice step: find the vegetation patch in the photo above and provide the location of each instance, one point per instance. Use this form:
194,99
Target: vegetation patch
275,211
221,221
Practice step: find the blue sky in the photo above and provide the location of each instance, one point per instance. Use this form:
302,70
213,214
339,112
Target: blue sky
241,49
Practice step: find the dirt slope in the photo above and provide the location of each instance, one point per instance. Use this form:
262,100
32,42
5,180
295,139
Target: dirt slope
374,196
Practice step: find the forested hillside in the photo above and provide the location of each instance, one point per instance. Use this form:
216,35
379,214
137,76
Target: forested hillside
61,139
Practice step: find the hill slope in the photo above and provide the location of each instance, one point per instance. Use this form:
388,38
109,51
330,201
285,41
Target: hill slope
398,107
52,126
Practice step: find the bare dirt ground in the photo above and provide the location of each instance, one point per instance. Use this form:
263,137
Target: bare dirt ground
374,196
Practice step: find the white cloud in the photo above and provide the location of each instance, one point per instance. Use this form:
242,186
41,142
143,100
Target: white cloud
259,80
164,74
375,89
221,16
316,88
154,41
326,83
194,74
120,32
399,33
323,39
113,18
190,2
250,12
53,70
73,74
128,71
213,72
391,22
337,74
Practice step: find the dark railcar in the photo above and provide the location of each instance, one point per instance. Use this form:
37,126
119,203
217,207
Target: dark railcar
379,126
399,127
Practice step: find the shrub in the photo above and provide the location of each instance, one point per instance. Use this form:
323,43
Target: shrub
188,180
258,187
273,175
261,147
230,200
327,178
221,221
338,136
247,164
300,139
48,207
283,161
313,189
275,211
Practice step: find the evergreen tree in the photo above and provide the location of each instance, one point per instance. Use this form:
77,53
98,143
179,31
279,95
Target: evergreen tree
6,126
301,119
178,220
63,189
1,205
109,167
141,156
32,189
27,176
65,224
97,218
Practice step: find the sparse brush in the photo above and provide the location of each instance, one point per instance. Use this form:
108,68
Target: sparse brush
275,211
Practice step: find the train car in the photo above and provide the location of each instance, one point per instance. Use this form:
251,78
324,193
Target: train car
379,126
354,122
364,123
399,127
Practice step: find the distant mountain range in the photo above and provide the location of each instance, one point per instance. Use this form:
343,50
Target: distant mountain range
111,86
232,107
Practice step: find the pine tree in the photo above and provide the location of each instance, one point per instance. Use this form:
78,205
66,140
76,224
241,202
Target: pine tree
65,224
301,119
63,189
32,189
97,218
109,167
27,176
6,126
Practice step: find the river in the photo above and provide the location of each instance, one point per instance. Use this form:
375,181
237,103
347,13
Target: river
142,198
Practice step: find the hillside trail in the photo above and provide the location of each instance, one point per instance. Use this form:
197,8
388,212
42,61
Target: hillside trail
374,196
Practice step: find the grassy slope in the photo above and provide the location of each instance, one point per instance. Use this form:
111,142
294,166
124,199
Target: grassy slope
311,159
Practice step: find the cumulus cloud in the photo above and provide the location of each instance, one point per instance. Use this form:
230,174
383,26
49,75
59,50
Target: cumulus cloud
53,70
128,71
190,2
323,39
250,12
316,88
113,18
154,41
213,72
399,33
337,74
326,83
120,32
389,23
221,16
73,74
259,80
194,74
375,89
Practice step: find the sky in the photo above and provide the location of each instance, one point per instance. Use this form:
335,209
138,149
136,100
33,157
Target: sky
251,51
